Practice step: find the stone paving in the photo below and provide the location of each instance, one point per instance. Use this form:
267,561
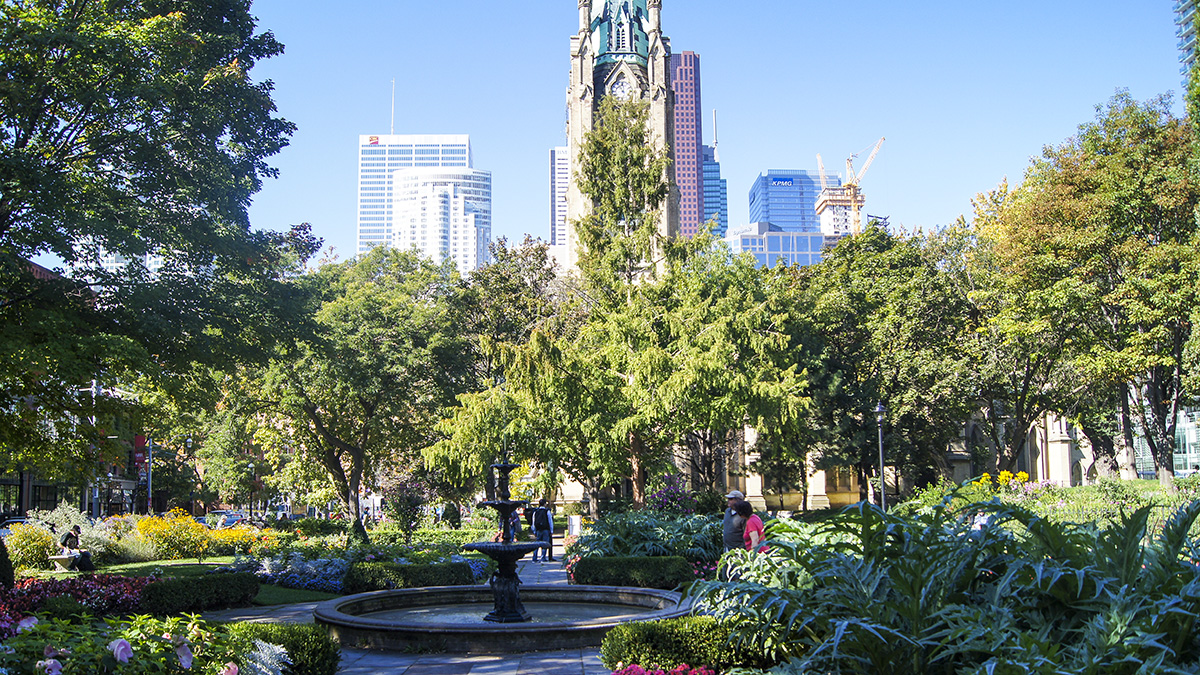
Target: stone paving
367,662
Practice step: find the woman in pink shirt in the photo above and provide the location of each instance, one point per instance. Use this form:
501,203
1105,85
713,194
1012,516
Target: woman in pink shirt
754,534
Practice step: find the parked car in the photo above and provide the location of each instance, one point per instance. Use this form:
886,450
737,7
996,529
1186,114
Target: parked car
213,520
6,526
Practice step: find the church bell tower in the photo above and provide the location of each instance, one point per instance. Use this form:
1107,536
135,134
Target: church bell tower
619,51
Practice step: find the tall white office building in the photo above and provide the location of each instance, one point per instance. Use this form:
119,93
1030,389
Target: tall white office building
560,180
444,213
379,157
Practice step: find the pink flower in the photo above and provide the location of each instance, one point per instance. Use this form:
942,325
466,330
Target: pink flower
50,667
184,653
121,649
54,652
27,623
229,669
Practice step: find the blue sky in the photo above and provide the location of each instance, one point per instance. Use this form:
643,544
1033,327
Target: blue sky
965,92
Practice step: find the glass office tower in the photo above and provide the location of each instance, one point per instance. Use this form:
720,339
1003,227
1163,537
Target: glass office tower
788,198
716,192
379,157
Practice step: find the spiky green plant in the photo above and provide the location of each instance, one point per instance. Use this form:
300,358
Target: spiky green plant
871,592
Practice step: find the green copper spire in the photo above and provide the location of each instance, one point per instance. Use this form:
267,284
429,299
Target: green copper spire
620,31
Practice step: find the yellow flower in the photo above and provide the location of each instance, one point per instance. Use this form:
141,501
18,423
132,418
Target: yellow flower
1004,478
1021,477
985,479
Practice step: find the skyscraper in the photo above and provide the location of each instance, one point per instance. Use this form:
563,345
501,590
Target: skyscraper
444,213
620,50
560,181
788,198
381,156
1185,30
689,136
716,192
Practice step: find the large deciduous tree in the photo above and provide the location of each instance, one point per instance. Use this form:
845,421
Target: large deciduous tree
132,128
1109,218
361,394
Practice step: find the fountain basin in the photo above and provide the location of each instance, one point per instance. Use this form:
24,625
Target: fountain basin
438,619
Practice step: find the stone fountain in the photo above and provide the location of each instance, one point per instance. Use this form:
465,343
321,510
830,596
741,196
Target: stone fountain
506,585
451,618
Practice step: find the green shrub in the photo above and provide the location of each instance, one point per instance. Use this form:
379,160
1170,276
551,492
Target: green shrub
697,538
431,537
317,527
94,537
694,640
31,546
708,501
133,549
875,592
309,647
64,607
379,576
664,573
7,576
575,509
194,594
175,536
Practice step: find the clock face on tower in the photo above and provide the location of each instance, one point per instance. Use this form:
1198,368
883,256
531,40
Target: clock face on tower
621,89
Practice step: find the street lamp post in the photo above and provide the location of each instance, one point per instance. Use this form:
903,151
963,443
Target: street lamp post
253,477
880,412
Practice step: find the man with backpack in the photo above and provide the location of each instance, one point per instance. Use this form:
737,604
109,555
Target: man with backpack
543,528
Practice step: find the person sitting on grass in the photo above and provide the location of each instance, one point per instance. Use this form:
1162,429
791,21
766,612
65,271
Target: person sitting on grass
81,559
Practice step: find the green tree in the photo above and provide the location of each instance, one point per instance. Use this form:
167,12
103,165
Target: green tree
129,128
361,394
884,319
1111,215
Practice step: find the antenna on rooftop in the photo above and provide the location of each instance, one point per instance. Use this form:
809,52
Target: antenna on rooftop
716,154
393,132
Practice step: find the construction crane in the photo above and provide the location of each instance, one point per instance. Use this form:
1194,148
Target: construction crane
837,200
852,182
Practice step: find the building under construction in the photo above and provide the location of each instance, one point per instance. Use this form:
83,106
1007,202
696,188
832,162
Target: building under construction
840,207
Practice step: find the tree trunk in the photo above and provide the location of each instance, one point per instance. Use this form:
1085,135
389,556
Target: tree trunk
1104,449
1129,465
636,448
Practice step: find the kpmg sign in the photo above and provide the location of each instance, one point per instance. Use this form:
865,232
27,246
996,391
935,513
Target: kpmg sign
782,182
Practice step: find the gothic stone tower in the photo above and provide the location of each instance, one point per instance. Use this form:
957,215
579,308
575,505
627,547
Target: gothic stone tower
620,50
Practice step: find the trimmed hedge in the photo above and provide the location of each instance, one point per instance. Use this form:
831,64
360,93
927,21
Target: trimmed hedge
309,647
380,576
638,571
194,594
694,640
455,537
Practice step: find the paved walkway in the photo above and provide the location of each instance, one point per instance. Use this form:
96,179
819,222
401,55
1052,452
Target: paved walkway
368,662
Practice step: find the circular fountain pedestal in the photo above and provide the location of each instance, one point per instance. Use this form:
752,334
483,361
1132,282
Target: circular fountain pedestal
506,585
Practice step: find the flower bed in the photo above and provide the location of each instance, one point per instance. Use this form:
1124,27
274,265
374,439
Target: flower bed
295,569
139,645
102,595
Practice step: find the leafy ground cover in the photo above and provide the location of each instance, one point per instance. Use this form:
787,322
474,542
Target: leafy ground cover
940,591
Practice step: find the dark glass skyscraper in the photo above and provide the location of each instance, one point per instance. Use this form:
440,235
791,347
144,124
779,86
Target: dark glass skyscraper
716,192
788,198
689,135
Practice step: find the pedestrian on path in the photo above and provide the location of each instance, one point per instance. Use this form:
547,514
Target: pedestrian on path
543,528
734,524
753,533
